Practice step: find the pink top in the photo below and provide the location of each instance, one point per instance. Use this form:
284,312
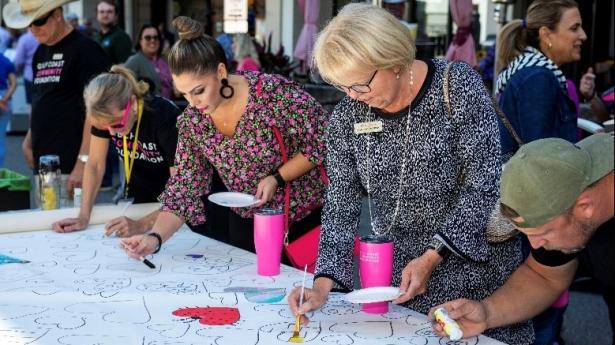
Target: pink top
248,64
252,153
166,81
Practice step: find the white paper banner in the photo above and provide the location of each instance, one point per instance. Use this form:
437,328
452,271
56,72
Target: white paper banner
80,288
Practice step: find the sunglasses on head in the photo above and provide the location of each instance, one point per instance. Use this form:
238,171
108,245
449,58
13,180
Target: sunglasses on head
150,38
124,119
42,21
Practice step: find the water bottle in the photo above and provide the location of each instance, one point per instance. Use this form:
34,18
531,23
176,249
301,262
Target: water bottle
77,197
50,177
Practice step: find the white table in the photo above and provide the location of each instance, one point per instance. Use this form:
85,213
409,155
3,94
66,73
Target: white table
80,288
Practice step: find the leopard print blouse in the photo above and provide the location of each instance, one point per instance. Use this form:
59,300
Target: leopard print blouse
438,148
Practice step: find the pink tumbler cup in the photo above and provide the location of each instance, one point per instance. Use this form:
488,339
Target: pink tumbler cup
375,267
268,240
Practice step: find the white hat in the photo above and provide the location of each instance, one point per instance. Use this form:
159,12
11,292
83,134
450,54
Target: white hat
19,14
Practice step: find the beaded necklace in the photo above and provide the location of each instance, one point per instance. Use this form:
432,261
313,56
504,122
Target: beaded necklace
403,167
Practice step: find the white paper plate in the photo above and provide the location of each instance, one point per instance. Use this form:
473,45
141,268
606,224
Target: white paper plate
232,199
373,294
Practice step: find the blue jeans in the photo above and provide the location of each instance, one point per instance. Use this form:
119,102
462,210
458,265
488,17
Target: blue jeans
547,325
5,116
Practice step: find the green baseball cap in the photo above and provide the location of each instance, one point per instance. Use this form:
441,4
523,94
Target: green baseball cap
545,177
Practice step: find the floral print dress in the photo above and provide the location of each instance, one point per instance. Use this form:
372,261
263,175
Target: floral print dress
252,153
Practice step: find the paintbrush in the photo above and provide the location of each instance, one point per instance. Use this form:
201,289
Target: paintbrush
296,338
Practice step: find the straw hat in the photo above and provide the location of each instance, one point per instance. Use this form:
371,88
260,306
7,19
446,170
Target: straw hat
19,14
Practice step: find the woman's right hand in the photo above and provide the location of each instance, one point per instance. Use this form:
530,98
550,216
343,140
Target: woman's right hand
312,300
70,225
138,246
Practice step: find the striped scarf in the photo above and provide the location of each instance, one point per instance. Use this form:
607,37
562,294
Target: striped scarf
530,57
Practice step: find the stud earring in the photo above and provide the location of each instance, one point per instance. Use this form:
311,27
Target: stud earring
550,45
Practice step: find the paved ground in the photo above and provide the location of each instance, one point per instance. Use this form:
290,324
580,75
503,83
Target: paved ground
585,322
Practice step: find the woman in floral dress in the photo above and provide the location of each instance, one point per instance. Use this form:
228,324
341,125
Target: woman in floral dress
228,128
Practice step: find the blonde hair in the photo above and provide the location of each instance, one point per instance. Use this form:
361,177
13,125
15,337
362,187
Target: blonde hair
514,37
111,91
362,38
244,47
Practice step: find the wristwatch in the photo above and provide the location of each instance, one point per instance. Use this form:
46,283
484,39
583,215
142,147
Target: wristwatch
279,179
440,248
82,158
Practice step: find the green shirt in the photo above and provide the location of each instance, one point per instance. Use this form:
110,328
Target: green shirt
116,43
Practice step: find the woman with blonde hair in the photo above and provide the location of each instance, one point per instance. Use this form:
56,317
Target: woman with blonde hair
420,137
142,130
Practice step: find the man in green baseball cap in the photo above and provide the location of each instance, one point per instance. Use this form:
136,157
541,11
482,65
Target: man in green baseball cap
561,195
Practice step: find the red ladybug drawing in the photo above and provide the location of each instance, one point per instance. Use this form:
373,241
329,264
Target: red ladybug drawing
210,315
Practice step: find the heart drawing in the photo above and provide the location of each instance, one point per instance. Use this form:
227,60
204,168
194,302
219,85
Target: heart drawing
214,316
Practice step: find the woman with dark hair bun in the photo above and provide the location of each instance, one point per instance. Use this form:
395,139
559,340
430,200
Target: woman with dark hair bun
230,127
148,64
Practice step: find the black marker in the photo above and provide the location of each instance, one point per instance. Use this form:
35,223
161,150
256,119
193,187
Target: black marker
147,263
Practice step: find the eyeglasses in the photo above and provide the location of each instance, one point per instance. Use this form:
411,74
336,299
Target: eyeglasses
42,21
150,38
357,88
124,119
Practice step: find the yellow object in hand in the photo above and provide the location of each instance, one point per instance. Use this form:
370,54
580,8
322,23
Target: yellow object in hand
451,327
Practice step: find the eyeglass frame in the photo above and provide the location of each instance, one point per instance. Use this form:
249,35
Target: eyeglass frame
347,89
151,38
124,118
42,20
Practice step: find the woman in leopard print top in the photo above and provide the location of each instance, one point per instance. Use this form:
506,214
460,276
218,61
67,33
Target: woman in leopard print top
430,148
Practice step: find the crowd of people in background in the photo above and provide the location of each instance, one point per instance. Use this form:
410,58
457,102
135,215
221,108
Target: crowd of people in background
431,172
144,55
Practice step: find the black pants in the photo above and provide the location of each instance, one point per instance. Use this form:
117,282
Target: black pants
216,224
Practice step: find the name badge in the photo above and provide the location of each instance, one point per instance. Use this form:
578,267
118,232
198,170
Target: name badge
368,127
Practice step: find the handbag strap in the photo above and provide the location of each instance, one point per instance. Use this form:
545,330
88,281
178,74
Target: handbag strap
280,140
323,176
501,115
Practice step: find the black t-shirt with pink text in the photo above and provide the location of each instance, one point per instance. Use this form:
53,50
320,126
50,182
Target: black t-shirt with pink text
60,72
155,150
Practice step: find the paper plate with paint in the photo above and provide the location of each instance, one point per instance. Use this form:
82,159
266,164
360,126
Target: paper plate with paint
374,294
233,199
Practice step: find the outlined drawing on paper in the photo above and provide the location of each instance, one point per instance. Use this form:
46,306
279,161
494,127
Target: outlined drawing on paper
117,311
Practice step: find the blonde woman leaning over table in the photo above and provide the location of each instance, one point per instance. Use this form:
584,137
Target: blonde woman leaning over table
228,128
142,130
410,169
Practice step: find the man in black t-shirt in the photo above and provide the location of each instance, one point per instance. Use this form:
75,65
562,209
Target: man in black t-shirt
560,195
63,63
